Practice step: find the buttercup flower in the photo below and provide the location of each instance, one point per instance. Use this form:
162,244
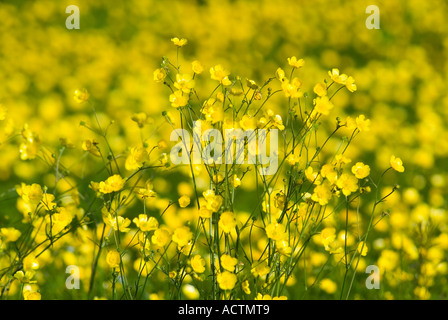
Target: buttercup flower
396,164
179,42
113,259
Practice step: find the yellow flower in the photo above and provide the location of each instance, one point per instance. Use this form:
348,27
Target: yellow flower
252,84
228,262
280,74
184,82
136,158
30,263
340,160
246,287
179,42
291,89
328,236
312,176
293,62
10,234
322,194
47,201
227,221
178,99
145,223
293,158
214,202
31,194
362,123
198,264
184,201
323,105
182,236
190,292
260,270
347,183
361,170
362,246
388,260
161,237
113,259
275,231
248,123
81,95
320,89
112,184
422,293
329,172
118,223
204,212
350,84
350,123
227,280
396,164
336,77
219,73
236,182
197,67
90,145
30,292
141,119
329,286
159,75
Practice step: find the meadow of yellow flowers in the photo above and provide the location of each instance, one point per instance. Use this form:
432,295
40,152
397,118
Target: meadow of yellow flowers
118,180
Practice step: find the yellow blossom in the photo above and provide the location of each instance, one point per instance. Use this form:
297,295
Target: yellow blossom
10,234
184,82
396,164
361,170
161,237
112,184
227,221
184,201
362,123
347,183
245,287
296,63
228,262
198,264
320,89
182,236
350,84
275,231
219,73
323,105
197,67
137,157
178,99
81,95
322,194
227,280
336,77
159,75
145,223
113,259
329,286
179,42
